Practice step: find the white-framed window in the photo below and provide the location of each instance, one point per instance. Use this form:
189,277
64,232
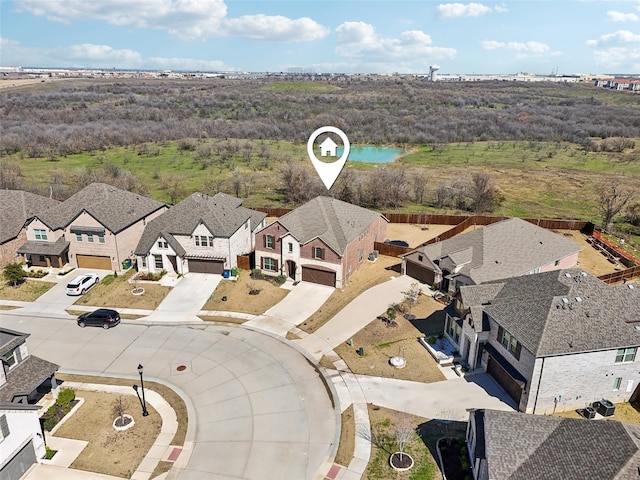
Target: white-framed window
4,428
12,359
158,261
268,241
270,264
40,234
197,237
144,262
318,252
626,354
78,237
162,244
211,241
101,238
616,383
509,342
290,247
203,240
90,237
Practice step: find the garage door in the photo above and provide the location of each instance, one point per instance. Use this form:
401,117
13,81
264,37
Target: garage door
20,463
420,273
505,380
315,275
206,266
94,261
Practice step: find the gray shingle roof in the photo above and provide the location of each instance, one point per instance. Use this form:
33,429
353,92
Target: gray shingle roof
17,208
26,377
520,446
503,249
222,214
10,339
35,247
335,222
543,311
114,208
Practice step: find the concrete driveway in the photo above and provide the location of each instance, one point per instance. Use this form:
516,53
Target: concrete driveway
258,410
295,308
186,299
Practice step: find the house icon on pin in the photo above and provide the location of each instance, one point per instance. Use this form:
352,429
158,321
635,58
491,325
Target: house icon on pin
328,147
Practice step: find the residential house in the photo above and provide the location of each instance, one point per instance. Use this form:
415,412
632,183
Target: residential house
18,207
503,249
512,445
21,437
200,234
323,241
98,227
554,341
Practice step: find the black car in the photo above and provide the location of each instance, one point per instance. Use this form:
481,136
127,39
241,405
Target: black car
102,317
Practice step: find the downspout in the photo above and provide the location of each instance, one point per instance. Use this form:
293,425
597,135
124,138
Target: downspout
535,404
115,239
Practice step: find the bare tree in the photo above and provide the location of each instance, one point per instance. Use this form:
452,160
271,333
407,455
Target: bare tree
484,196
613,198
10,176
419,181
404,433
298,182
118,408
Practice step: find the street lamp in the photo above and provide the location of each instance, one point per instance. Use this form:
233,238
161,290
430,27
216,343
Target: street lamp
144,401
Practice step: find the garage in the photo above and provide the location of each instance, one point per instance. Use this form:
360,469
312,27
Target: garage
206,266
506,381
20,463
420,273
319,275
94,261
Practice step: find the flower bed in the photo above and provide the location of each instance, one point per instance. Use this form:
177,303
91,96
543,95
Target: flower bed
441,350
64,403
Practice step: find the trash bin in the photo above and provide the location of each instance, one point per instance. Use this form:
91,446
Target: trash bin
126,264
226,274
234,272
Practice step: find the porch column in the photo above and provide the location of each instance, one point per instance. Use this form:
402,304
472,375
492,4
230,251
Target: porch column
55,389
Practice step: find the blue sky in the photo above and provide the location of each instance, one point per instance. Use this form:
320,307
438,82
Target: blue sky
353,36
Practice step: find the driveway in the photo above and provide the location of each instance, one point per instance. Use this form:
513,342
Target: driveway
295,308
186,299
258,410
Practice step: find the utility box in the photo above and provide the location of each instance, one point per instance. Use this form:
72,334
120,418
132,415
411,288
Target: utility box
589,412
604,408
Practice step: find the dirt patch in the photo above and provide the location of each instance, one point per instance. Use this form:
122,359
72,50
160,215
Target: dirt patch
368,275
110,451
27,291
116,293
381,342
237,295
221,319
624,412
415,235
347,438
590,259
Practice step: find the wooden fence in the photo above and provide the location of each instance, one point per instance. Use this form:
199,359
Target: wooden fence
391,250
622,275
244,262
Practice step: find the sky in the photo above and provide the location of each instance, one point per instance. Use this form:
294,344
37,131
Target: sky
349,36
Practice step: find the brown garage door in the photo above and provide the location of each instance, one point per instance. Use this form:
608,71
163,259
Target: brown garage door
420,273
94,261
505,380
315,275
206,266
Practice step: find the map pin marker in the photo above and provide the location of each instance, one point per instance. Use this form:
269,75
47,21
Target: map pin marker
328,172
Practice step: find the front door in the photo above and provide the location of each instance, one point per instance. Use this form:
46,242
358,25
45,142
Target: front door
291,269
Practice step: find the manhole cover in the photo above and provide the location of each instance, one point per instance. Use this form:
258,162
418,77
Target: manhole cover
181,368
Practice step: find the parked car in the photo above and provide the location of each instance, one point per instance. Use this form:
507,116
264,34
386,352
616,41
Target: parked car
397,243
103,317
82,283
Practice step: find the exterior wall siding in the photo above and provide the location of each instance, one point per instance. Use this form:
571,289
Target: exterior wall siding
106,249
8,249
566,262
24,427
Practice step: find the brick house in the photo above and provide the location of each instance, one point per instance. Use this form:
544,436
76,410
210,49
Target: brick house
503,249
513,445
323,241
554,341
98,227
21,437
200,234
18,207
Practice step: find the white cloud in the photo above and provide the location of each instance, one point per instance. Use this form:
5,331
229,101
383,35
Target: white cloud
622,17
617,50
621,36
535,48
360,40
184,19
456,10
103,54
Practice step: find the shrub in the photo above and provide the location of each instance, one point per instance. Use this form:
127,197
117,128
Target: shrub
65,397
280,279
13,273
257,273
49,423
36,274
431,340
49,453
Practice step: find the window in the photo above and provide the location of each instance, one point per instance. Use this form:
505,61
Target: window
78,237
268,241
144,262
90,237
158,261
197,240
290,246
626,354
4,428
162,244
40,234
318,252
556,263
509,342
270,264
13,358
211,241
203,241
454,329
101,238
616,383
420,258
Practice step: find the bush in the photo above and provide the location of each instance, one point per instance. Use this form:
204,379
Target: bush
49,423
49,453
257,274
431,340
280,279
13,273
65,397
36,274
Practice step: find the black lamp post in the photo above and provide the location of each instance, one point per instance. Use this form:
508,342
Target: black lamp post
144,402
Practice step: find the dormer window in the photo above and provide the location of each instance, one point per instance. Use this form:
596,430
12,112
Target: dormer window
40,234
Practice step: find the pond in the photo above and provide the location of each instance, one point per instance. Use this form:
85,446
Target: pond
372,154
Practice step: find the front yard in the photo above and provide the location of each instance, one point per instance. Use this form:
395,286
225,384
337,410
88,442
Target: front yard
27,291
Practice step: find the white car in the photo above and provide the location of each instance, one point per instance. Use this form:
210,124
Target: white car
82,283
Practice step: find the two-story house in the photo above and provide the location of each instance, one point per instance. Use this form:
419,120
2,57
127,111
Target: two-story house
21,437
323,241
18,207
554,341
200,234
504,249
98,227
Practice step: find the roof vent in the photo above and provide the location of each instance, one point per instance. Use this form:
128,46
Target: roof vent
578,299
568,275
565,300
584,274
630,287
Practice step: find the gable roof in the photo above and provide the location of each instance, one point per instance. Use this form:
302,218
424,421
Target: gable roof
17,207
530,447
559,312
333,221
222,214
114,208
503,249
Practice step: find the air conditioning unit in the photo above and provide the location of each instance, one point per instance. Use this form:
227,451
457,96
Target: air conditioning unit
604,408
589,412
